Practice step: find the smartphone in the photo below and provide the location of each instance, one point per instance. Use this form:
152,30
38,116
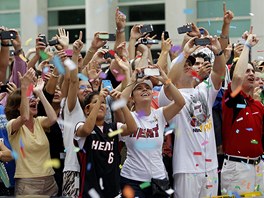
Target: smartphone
3,88
166,35
202,42
184,29
109,54
8,35
109,37
146,29
43,38
151,72
53,42
107,84
152,42
11,52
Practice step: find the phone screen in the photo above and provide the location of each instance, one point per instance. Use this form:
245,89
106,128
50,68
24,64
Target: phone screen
3,88
146,29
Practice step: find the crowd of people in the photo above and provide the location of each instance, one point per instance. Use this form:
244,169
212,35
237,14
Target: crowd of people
117,123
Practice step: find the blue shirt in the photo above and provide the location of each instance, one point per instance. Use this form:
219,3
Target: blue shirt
10,166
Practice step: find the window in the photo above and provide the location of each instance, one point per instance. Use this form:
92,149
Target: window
66,17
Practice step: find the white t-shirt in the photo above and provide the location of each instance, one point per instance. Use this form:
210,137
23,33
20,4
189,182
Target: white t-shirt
144,148
70,120
194,145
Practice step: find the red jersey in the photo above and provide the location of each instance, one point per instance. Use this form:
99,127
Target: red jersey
242,125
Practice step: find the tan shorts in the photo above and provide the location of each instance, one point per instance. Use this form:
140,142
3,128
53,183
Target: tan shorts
36,186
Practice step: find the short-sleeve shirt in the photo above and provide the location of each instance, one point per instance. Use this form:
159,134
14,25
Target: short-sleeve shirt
242,125
32,148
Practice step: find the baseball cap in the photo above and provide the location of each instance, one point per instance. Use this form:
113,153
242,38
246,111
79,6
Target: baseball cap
148,82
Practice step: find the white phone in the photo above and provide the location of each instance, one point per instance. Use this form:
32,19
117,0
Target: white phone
151,72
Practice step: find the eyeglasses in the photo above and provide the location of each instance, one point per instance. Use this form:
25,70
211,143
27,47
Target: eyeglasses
84,87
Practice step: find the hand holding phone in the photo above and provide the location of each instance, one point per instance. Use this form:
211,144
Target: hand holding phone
107,84
166,35
7,35
108,37
184,29
202,42
43,39
3,88
146,29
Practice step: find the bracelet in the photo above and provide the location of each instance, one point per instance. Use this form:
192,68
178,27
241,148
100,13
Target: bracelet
120,31
17,52
92,52
223,37
167,82
5,45
220,53
55,76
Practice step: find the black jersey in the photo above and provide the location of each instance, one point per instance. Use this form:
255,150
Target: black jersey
99,161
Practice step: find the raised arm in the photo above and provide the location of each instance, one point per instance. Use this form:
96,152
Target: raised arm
219,67
224,36
120,20
134,36
51,115
95,45
4,58
26,80
86,129
40,46
242,63
165,49
74,81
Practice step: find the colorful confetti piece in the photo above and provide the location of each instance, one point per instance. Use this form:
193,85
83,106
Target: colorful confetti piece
89,166
188,11
102,75
76,149
249,129
237,131
113,133
70,64
28,41
57,63
43,55
239,119
175,48
93,193
14,155
82,77
251,14
254,142
120,77
23,58
205,142
39,20
30,90
197,153
52,163
145,185
118,104
241,106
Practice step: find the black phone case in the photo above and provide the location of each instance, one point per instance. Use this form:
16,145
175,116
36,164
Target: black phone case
43,38
8,35
3,88
146,29
53,42
184,29
166,35
112,37
202,42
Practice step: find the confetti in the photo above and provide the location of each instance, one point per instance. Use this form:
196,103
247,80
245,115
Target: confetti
249,129
257,188
196,164
118,104
188,11
254,142
39,20
92,192
120,166
237,131
208,160
89,166
170,191
175,48
101,183
239,119
57,63
247,113
209,186
14,155
204,143
251,14
218,31
209,22
22,57
128,192
43,55
120,77
30,90
52,163
115,71
197,153
45,70
76,149
226,99
241,106
28,41
141,113
70,64
113,133
145,185
233,27
255,113
82,77
102,75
